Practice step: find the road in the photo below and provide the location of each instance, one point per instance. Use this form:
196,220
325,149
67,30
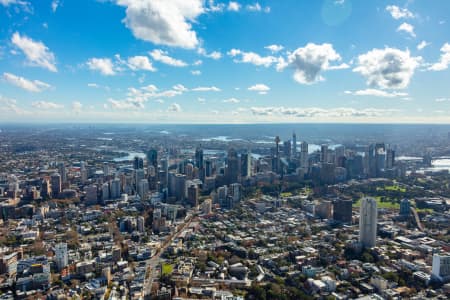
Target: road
154,262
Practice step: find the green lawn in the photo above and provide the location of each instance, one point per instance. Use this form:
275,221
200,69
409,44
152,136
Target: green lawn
393,188
380,204
167,269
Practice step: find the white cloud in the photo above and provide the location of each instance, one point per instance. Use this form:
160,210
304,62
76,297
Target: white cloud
180,88
77,106
174,107
442,100
422,45
206,89
201,100
315,112
104,65
233,6
36,53
128,104
93,85
26,84
408,28
309,61
215,7
46,105
140,63
376,93
196,72
399,13
387,68
161,56
23,4
260,88
252,58
8,106
163,22
214,55
257,7
55,4
231,100
444,61
197,62
274,48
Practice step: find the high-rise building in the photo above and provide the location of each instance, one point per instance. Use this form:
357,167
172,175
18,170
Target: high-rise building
368,217
199,158
91,194
152,158
138,163
441,267
140,224
287,149
46,189
61,255
63,172
232,170
342,211
106,170
193,195
105,191
207,207
304,155
390,159
276,159
115,188
324,153
143,188
246,165
405,207
55,182
294,145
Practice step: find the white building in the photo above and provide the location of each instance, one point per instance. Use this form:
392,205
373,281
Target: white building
368,217
441,267
61,255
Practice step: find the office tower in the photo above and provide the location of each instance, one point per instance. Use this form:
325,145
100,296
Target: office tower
339,154
207,206
189,171
164,174
83,172
46,189
139,174
138,163
276,162
199,158
61,255
246,164
152,158
192,195
371,162
143,188
390,159
55,182
287,148
106,169
405,207
209,168
441,267
105,191
232,170
63,172
222,193
368,217
324,153
235,192
380,158
91,194
342,211
304,155
140,224
327,173
115,188
294,145
177,186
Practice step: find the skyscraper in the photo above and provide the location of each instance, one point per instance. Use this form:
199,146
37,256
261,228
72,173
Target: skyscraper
304,155
232,171
55,182
287,149
138,163
61,255
324,153
152,158
368,217
199,158
342,211
294,145
63,172
246,164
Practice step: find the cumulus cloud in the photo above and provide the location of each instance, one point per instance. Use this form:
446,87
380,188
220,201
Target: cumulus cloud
231,100
206,89
104,65
24,5
36,52
8,105
26,84
128,104
174,107
214,55
46,105
233,6
442,100
408,28
196,72
444,61
309,61
274,48
252,58
54,5
376,93
315,112
163,57
257,7
163,22
387,68
422,45
260,88
77,106
399,13
136,63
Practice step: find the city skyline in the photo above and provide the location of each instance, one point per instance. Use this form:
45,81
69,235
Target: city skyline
199,61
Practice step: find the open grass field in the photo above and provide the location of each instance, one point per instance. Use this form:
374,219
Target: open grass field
381,204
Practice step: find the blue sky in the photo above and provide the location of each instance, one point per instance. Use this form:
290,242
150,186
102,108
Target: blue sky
193,61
